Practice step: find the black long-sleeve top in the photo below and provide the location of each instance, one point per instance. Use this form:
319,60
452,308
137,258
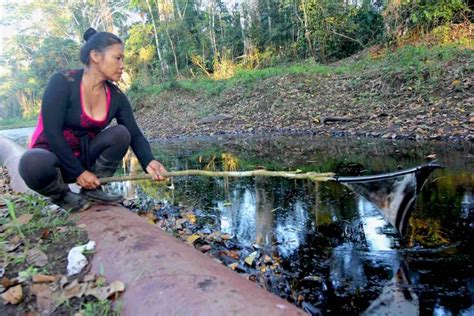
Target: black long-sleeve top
62,121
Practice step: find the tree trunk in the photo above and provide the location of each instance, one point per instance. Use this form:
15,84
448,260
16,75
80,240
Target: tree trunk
174,51
163,65
306,27
212,33
269,21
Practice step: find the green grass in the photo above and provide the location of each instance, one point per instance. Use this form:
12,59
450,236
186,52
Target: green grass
17,123
413,60
42,220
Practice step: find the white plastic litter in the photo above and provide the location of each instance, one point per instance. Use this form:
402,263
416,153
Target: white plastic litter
76,260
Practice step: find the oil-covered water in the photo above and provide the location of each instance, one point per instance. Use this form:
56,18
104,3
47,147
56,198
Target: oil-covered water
338,252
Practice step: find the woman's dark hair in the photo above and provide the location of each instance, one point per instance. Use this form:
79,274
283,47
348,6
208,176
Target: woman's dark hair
98,41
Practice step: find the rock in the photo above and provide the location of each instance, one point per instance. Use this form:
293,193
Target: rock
14,295
204,248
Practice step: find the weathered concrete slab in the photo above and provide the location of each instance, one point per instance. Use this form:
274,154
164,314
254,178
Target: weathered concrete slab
164,276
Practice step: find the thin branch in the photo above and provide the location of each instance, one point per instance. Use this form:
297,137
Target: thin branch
347,37
314,176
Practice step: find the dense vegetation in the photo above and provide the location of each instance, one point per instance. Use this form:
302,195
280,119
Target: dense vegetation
170,43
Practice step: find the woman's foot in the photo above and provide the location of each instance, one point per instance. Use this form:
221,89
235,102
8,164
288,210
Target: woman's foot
72,202
98,195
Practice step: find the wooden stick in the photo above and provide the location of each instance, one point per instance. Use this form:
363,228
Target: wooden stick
314,176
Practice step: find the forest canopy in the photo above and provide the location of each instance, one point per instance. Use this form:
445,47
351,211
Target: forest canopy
168,40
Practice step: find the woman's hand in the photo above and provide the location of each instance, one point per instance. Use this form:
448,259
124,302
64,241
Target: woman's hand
156,169
88,180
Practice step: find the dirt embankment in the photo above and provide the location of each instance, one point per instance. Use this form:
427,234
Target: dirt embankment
369,103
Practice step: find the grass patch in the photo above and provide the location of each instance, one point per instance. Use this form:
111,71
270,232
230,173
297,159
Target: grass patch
17,123
243,77
421,67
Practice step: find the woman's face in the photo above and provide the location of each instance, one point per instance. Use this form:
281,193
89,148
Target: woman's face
110,64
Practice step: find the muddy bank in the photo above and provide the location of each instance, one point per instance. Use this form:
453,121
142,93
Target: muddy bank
369,104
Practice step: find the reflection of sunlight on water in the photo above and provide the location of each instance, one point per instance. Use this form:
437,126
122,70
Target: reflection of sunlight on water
346,266
373,223
289,231
239,218
439,310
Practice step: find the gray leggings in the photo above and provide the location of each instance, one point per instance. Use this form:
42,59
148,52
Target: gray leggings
38,167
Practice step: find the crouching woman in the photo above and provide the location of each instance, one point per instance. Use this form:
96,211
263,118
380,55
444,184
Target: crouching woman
71,142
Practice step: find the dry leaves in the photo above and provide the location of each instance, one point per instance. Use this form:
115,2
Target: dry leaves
251,258
14,295
36,257
24,219
56,291
42,278
192,239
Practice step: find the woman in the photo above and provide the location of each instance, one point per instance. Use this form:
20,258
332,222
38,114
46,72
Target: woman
70,143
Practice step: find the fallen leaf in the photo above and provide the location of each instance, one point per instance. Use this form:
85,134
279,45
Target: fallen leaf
233,254
14,295
456,82
90,277
214,236
36,257
7,283
103,293
250,258
24,219
191,218
151,217
15,239
44,297
13,246
42,278
234,265
45,233
226,236
75,289
192,239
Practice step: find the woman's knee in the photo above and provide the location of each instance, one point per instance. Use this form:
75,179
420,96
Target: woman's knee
120,135
37,165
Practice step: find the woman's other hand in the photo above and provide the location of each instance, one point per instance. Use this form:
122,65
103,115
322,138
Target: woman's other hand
155,168
88,180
